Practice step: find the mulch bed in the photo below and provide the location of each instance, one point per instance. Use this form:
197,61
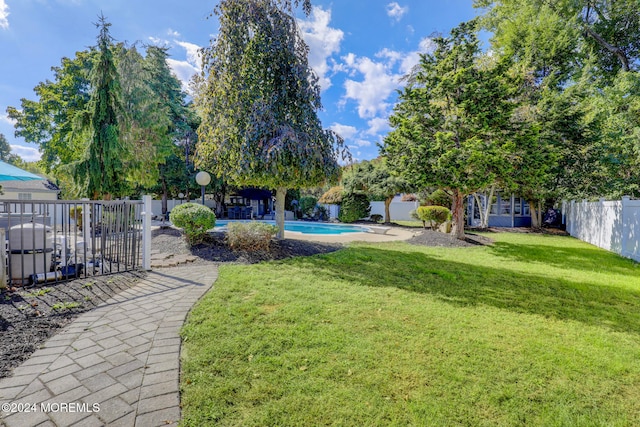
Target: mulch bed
31,314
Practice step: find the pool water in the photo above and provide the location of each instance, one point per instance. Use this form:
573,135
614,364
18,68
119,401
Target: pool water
308,227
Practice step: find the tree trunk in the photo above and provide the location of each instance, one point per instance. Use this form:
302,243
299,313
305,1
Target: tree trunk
458,215
281,194
536,214
484,211
387,211
164,198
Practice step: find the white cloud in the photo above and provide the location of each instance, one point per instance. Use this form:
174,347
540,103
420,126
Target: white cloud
362,143
323,42
6,119
4,14
345,131
28,154
183,71
412,59
395,11
193,53
173,33
372,92
377,125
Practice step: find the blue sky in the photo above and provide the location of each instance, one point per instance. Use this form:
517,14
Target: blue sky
359,48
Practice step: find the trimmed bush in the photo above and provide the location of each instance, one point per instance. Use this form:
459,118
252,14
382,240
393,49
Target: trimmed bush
250,236
194,219
354,207
435,215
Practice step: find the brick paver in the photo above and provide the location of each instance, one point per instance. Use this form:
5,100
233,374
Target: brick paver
115,365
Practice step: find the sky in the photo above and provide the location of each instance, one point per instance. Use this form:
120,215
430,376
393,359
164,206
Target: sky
360,49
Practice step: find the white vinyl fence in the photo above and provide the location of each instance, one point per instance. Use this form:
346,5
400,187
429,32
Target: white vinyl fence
611,225
399,211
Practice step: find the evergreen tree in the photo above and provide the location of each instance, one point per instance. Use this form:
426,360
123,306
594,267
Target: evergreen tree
101,173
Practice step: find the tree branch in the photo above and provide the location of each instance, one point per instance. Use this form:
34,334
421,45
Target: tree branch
624,61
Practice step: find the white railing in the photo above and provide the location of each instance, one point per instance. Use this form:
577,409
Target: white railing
611,225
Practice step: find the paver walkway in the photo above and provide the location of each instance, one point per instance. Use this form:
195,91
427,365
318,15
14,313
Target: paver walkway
117,365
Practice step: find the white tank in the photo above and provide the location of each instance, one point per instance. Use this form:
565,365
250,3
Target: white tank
31,249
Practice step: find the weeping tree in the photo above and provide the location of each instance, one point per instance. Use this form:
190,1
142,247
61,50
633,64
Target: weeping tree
259,103
100,173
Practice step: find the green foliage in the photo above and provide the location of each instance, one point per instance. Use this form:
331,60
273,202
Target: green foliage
250,236
354,206
307,205
439,198
264,132
376,180
100,173
194,219
332,196
65,305
452,122
435,215
5,152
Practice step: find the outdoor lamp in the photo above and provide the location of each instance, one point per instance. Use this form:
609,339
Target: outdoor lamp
203,179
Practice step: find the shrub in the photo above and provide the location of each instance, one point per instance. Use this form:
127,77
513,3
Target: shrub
250,236
194,219
433,214
354,207
376,217
307,205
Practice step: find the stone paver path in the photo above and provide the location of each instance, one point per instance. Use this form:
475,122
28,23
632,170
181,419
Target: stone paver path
117,365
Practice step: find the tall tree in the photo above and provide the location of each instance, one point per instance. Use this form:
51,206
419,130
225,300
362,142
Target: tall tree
607,29
101,173
451,124
5,151
49,121
259,104
375,179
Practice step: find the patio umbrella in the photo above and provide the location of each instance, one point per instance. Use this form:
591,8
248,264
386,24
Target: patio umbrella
12,173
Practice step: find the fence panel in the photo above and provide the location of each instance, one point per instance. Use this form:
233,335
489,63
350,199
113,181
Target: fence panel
52,241
399,211
611,225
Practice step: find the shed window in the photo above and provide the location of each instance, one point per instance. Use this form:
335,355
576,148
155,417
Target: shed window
24,196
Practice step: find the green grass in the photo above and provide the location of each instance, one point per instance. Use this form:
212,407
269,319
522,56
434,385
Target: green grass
536,330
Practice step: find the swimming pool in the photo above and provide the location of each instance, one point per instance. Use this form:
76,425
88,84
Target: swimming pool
308,227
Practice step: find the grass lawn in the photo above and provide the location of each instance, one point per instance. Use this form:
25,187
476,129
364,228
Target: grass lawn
536,330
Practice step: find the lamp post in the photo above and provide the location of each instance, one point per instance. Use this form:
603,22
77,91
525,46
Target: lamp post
203,179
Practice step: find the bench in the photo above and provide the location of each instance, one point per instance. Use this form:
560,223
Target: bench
378,229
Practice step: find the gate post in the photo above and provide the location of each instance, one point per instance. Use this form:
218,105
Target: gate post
3,254
146,232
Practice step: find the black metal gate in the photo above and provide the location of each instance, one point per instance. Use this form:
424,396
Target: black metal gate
51,241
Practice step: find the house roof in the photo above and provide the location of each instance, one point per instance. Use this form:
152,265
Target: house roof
36,185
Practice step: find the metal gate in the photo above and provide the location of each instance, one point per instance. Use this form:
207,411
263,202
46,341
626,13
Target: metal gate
52,241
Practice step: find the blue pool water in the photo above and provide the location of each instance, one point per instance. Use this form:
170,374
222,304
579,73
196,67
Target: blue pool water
308,227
